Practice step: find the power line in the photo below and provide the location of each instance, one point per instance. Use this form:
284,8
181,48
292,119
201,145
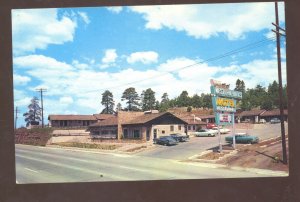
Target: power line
41,90
232,52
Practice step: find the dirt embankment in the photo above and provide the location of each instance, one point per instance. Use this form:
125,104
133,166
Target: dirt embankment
264,155
35,136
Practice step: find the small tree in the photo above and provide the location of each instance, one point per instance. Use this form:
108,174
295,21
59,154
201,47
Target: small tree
108,102
34,112
119,107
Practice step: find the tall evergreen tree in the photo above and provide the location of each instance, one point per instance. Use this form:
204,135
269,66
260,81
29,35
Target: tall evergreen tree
108,102
148,99
165,103
207,102
239,85
183,99
34,112
132,99
196,101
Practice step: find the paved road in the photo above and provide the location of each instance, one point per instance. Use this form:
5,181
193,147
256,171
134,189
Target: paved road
46,165
196,145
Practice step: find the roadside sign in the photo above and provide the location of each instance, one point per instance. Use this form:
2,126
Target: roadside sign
223,104
223,119
223,92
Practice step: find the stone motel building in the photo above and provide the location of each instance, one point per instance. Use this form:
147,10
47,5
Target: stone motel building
126,125
143,125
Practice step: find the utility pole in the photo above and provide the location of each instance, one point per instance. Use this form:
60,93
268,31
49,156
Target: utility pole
41,90
16,117
278,34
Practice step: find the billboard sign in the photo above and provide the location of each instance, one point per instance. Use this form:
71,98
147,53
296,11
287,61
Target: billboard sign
223,92
223,119
223,104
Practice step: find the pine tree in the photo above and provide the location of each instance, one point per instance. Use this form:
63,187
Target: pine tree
132,99
108,102
148,99
34,112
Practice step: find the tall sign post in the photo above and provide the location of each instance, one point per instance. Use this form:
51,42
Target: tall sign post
224,105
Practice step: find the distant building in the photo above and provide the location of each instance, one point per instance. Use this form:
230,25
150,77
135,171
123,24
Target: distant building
251,116
275,113
76,121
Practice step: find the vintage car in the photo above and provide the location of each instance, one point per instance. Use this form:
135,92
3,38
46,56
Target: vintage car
262,121
222,130
275,120
210,125
179,137
165,140
205,133
242,138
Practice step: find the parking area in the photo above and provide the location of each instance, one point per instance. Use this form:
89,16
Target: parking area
196,145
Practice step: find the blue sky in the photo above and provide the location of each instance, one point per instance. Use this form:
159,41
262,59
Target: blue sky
78,53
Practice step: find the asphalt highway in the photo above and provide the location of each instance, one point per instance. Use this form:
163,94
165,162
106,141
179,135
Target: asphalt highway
46,165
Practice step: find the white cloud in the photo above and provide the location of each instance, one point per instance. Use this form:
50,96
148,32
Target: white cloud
109,58
22,102
66,100
21,80
146,57
115,9
37,28
80,90
205,21
79,65
84,17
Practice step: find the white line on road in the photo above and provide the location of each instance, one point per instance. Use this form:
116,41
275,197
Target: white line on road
31,170
116,177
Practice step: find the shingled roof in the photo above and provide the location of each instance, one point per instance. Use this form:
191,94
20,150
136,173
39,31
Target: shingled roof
274,112
112,121
103,116
72,117
255,112
144,118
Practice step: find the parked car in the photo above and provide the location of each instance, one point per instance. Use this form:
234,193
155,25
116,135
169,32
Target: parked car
210,125
165,140
222,130
205,132
242,138
179,137
262,121
275,120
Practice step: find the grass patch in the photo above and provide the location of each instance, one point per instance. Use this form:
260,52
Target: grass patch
87,145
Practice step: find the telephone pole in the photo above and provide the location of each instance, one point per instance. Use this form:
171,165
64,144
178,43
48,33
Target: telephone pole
16,117
41,90
278,34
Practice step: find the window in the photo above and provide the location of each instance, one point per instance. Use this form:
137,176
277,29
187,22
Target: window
179,127
189,127
163,132
171,128
194,127
125,133
136,133
104,132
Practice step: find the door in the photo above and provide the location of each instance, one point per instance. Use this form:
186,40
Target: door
148,134
154,133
